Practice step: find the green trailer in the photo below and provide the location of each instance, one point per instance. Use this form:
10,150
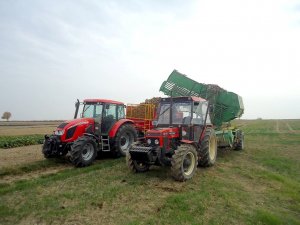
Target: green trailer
225,106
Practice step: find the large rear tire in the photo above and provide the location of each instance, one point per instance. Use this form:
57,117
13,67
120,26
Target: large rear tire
83,151
184,162
134,166
208,149
124,138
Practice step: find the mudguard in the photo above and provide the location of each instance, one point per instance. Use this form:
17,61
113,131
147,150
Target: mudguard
117,125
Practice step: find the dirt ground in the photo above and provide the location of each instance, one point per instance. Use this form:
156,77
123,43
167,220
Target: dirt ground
26,130
21,155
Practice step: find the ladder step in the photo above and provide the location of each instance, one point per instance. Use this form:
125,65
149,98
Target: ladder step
105,144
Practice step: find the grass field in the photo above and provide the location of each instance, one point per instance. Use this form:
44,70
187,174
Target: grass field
260,185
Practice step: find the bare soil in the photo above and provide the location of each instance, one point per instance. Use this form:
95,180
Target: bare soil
26,130
32,175
12,128
21,155
24,156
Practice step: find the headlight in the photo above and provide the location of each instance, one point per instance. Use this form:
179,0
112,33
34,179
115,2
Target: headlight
156,141
149,141
183,133
59,132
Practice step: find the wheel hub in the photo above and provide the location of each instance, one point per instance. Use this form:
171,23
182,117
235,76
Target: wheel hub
88,151
125,141
188,163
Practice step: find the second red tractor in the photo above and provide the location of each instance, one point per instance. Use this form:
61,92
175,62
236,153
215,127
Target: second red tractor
102,127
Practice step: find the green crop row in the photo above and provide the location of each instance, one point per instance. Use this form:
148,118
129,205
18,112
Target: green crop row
18,141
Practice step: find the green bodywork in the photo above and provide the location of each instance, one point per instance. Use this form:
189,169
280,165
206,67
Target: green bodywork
226,105
225,137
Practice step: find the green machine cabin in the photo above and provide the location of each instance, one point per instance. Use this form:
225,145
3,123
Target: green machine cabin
225,105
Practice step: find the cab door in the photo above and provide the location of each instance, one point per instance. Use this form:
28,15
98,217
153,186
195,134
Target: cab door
109,117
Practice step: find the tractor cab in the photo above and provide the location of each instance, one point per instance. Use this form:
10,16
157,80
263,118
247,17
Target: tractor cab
104,112
183,115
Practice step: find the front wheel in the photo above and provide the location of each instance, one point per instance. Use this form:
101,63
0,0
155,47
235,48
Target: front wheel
125,137
134,166
83,151
184,162
46,150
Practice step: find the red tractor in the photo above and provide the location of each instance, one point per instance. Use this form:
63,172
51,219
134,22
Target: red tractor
101,127
182,139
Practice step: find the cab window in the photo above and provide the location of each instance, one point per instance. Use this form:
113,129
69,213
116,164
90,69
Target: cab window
121,112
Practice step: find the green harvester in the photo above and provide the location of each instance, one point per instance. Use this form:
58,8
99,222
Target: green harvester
225,106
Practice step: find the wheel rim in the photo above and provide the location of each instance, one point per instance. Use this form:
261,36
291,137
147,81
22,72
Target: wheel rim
188,163
212,148
87,151
125,141
242,142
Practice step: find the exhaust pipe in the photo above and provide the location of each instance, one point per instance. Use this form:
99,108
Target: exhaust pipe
76,108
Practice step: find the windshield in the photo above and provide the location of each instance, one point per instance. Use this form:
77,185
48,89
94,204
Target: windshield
181,113
92,110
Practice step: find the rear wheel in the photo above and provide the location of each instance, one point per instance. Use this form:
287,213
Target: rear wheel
134,166
184,162
125,137
208,149
239,144
83,151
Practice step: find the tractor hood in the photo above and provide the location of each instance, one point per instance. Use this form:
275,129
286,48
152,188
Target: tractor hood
72,129
79,122
166,131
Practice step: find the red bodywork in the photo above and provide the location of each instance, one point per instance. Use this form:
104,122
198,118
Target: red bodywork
82,124
117,125
170,133
161,133
87,125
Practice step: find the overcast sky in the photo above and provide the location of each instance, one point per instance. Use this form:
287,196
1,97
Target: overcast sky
53,52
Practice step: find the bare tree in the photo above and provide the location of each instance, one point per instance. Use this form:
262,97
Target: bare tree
6,116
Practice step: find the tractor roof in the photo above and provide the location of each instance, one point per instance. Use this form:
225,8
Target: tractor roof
96,100
185,98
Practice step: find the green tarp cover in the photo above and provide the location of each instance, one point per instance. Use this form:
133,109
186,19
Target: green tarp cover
226,105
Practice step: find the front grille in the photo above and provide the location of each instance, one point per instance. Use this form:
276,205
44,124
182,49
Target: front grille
71,132
141,154
140,149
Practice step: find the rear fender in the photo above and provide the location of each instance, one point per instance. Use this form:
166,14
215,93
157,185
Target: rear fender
117,125
203,132
91,135
187,142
